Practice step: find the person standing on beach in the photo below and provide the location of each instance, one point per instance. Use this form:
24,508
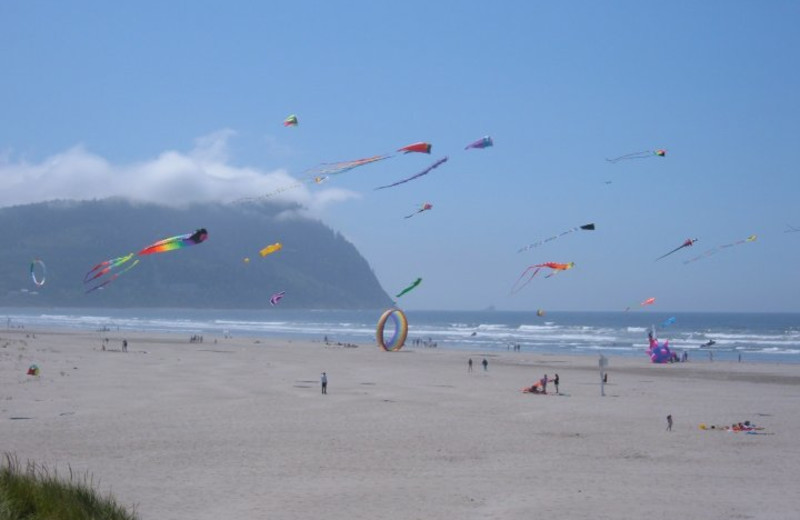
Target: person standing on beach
544,384
555,382
669,423
124,345
485,365
469,365
324,381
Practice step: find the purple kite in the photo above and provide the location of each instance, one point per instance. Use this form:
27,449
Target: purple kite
483,142
658,353
420,174
276,298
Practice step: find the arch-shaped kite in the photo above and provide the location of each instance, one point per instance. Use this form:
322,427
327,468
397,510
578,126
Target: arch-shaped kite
400,330
40,279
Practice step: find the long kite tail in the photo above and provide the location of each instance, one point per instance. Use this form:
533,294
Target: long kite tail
517,287
667,254
635,155
113,277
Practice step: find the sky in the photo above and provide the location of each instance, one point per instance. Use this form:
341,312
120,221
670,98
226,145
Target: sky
176,103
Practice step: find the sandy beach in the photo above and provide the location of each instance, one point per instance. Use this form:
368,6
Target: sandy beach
238,428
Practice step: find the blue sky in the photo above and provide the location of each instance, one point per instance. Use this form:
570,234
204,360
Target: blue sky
172,102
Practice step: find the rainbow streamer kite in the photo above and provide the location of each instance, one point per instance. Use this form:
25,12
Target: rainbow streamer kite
177,242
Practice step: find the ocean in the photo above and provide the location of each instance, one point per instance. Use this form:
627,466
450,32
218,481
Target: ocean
759,337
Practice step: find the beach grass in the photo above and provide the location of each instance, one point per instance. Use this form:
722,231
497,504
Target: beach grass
33,492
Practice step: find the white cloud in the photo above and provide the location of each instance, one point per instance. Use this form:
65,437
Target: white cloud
204,174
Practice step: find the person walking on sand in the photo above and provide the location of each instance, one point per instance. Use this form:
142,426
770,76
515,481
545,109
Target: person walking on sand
324,381
669,423
485,365
555,382
469,365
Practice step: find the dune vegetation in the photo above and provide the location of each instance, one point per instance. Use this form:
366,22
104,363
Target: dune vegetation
33,492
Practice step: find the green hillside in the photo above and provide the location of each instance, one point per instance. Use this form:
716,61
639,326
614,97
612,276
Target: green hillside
317,267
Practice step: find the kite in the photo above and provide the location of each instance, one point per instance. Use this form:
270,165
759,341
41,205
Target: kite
410,287
713,251
586,227
275,298
344,166
540,312
400,330
323,171
658,353
646,154
277,246
483,142
687,243
420,174
668,322
38,280
290,121
176,242
649,301
417,147
425,207
556,268
791,229
113,276
107,267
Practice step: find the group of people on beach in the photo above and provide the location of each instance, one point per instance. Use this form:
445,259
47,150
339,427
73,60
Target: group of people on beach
540,386
484,363
104,345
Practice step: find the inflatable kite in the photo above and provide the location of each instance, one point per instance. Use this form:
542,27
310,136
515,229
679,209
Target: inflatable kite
38,279
291,121
668,322
417,147
109,267
688,243
649,301
646,154
713,251
400,330
426,171
556,268
409,288
659,353
277,246
586,227
275,298
483,142
113,277
425,207
176,242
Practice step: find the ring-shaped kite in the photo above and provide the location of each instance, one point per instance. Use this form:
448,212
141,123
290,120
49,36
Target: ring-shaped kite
400,330
38,280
